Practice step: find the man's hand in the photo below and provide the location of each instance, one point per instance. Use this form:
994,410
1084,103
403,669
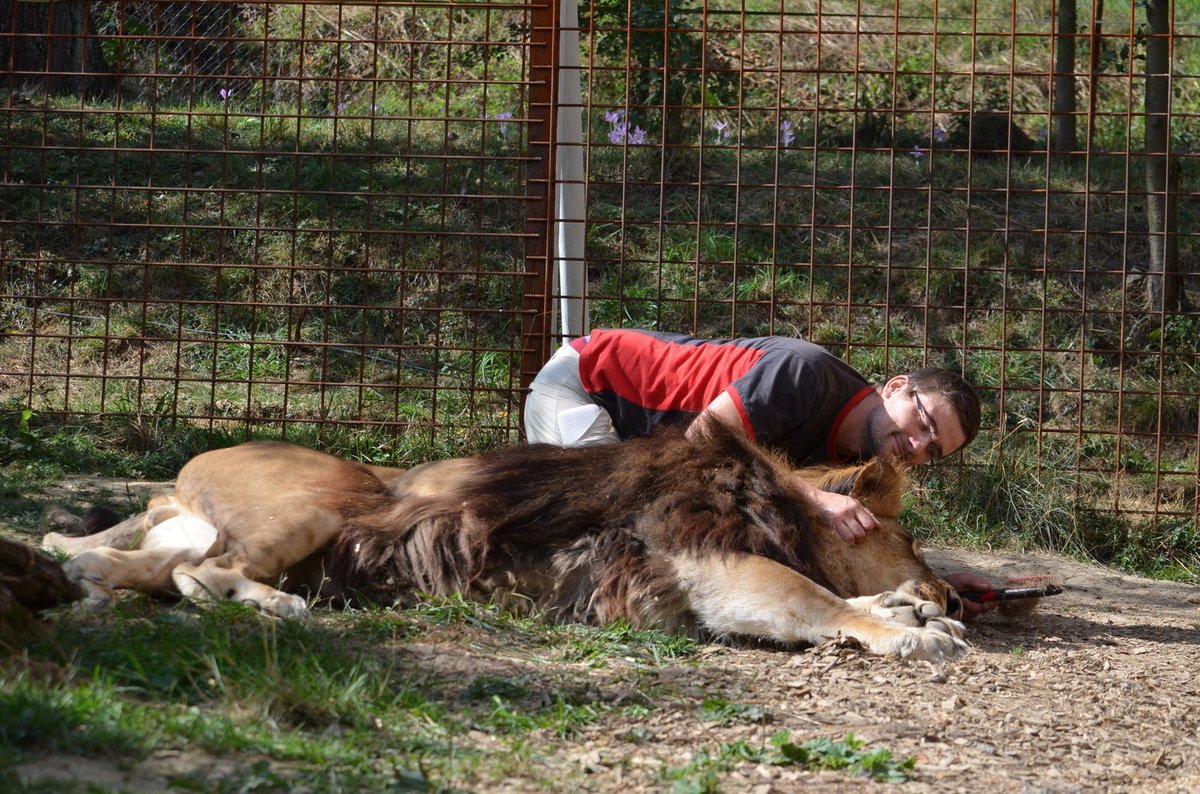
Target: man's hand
970,581
844,514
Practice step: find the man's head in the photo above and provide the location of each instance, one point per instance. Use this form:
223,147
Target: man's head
925,415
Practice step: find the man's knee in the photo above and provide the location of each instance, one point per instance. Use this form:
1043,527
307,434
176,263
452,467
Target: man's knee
555,390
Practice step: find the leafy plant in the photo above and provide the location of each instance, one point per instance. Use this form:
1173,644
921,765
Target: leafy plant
848,755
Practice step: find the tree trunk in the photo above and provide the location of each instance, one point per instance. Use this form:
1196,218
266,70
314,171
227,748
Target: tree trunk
1162,173
1065,138
30,581
52,47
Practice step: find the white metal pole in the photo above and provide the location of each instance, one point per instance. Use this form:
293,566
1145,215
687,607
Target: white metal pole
570,183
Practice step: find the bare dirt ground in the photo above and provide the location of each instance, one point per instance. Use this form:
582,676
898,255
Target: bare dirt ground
1095,691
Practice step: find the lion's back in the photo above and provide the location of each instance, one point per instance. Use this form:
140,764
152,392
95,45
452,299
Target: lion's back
585,532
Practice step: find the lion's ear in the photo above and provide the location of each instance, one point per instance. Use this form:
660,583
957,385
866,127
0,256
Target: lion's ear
879,485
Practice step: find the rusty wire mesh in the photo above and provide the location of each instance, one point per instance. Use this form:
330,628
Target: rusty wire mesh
310,216
892,184
276,216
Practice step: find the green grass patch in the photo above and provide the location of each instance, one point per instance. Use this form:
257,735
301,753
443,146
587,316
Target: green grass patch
726,713
702,774
445,695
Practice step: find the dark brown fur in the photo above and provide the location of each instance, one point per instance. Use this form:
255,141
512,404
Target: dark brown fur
586,533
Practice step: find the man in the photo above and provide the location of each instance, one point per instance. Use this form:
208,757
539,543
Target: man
785,393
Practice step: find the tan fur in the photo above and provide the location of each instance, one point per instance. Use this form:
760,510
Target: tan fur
274,505
713,537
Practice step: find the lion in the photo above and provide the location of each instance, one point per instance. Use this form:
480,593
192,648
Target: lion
712,537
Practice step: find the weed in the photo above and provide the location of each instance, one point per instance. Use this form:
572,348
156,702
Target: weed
505,688
702,773
561,716
727,713
699,776
846,754
638,734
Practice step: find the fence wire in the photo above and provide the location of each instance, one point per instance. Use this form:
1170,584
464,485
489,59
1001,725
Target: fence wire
330,220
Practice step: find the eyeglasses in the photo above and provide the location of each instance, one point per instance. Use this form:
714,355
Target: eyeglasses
927,427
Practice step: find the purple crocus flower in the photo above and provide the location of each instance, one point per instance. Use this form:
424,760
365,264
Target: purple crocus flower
638,136
787,134
503,117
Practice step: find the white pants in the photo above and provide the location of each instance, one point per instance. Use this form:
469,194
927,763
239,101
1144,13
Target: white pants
558,411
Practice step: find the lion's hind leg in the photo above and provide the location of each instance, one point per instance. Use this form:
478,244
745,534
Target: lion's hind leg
103,571
125,536
256,553
747,595
222,577
174,538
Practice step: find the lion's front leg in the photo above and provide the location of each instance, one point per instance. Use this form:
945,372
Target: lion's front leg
748,595
221,577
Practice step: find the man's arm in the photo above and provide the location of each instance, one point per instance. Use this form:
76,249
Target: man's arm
720,410
844,514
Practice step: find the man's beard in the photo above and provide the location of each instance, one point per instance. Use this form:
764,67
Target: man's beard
875,438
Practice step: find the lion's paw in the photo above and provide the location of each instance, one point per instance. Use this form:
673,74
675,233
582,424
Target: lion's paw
901,607
98,593
938,640
284,605
54,541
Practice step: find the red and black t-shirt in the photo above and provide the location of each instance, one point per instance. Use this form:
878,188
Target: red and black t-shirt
790,394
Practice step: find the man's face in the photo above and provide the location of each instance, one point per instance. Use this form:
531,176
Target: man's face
915,427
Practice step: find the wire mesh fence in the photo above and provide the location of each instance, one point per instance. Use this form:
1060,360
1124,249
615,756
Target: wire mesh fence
278,215
331,219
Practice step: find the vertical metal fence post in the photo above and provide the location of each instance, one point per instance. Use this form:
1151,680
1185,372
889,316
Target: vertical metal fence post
539,189
570,193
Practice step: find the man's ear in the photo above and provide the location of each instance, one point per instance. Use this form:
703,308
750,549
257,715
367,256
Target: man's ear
894,385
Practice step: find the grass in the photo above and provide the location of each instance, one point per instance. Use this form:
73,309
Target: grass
847,754
1023,502
702,774
351,701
